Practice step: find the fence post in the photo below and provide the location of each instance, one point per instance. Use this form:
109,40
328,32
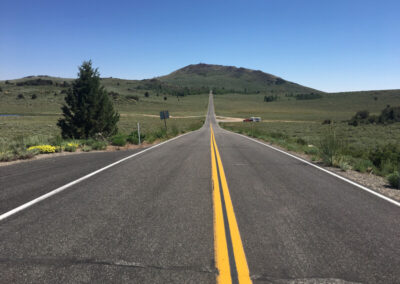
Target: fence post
138,130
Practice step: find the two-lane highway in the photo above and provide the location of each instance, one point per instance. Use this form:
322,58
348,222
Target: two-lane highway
209,206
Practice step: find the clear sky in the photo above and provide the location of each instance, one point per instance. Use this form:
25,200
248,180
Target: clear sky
339,45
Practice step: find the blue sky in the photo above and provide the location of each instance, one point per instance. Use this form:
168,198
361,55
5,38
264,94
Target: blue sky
340,45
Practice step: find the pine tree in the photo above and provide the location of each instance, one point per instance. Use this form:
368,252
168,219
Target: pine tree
88,110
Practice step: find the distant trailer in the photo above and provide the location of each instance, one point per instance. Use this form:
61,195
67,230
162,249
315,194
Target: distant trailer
256,119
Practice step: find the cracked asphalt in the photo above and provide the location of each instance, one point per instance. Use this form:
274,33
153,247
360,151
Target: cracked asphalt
149,219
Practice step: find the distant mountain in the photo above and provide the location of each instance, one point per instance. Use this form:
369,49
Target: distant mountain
190,80
231,78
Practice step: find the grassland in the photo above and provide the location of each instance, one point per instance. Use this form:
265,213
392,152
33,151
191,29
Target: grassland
38,117
298,124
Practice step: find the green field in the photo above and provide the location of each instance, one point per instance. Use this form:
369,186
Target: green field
296,124
38,117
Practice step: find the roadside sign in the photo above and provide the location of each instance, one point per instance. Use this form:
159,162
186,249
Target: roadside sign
164,114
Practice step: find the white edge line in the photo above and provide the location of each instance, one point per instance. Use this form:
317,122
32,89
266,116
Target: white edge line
322,169
59,189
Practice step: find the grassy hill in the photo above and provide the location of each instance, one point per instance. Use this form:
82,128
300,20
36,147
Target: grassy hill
231,79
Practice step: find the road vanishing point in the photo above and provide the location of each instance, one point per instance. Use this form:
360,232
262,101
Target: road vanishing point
209,206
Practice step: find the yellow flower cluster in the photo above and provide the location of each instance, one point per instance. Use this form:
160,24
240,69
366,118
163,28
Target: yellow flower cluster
76,145
43,148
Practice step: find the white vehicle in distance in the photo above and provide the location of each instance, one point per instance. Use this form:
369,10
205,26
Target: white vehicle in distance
255,119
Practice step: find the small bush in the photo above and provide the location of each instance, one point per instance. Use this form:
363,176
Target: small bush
301,141
132,97
44,149
118,140
327,121
330,146
380,155
6,157
20,97
114,95
344,166
363,165
86,148
271,98
133,138
98,145
71,147
34,97
311,150
174,130
394,180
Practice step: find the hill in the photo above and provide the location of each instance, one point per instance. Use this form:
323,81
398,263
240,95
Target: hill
231,79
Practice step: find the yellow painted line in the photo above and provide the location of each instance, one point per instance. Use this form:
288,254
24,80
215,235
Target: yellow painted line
220,246
221,251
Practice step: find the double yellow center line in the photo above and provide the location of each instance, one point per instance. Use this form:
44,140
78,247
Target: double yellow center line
229,253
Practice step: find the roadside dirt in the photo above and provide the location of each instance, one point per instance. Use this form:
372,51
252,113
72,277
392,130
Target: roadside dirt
228,119
238,119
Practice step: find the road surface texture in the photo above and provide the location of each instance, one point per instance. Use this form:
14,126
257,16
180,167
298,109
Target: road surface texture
209,206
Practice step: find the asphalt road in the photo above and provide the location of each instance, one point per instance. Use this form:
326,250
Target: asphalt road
154,218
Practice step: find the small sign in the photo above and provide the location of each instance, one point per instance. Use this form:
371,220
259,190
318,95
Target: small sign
164,114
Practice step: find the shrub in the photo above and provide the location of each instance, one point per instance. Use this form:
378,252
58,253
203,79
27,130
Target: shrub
71,147
43,149
343,165
301,141
86,148
20,97
133,137
327,121
330,146
165,98
132,97
311,150
380,155
118,140
174,130
98,145
1,89
394,180
270,98
6,157
362,114
33,97
146,94
362,165
390,115
114,95
278,135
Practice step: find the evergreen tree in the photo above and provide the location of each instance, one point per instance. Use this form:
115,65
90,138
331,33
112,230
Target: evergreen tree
88,110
